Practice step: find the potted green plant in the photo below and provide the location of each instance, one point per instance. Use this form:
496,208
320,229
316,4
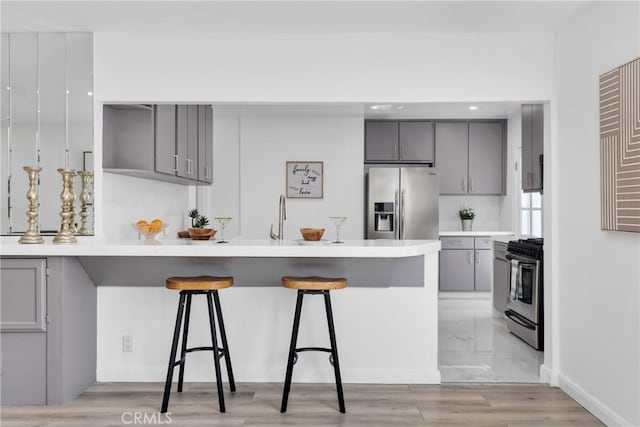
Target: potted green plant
466,216
198,229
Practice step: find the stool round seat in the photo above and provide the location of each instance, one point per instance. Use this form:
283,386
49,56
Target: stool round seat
199,283
314,283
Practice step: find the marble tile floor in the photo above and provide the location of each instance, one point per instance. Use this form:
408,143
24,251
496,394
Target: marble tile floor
475,345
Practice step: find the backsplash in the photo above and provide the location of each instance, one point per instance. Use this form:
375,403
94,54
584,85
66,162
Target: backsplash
128,199
487,210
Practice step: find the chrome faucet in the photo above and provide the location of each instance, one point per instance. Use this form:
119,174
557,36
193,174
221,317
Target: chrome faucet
282,216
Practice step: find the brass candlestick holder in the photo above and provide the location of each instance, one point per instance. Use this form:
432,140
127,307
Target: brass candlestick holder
65,235
85,199
32,235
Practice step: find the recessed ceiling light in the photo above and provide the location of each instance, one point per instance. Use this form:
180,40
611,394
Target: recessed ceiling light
381,107
473,107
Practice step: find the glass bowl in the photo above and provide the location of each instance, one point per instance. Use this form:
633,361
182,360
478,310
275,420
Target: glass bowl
150,230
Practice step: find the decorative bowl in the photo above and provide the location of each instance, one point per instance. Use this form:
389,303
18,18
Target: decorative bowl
202,233
150,229
312,234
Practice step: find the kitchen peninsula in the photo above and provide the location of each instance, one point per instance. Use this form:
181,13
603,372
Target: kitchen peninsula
386,320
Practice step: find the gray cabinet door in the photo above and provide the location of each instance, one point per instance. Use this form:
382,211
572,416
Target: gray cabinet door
452,150
456,270
486,161
537,146
532,146
381,141
192,141
182,140
415,141
165,139
205,143
484,267
23,374
501,276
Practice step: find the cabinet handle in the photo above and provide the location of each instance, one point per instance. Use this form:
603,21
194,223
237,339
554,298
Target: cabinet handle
470,185
469,257
188,166
477,257
462,184
175,163
206,172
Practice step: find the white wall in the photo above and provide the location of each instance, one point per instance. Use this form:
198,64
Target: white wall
323,67
598,285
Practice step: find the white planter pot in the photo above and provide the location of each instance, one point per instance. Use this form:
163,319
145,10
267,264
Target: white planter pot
466,224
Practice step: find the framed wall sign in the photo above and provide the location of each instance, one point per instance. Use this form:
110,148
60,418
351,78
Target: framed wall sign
304,180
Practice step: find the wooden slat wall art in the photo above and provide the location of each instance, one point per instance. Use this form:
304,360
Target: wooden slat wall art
620,148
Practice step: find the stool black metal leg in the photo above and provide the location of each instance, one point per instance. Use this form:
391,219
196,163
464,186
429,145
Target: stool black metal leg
334,350
185,335
172,358
216,358
292,352
223,337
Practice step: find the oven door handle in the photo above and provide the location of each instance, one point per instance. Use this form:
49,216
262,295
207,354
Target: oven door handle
517,318
520,260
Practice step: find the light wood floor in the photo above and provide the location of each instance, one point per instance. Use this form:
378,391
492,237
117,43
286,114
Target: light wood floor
258,404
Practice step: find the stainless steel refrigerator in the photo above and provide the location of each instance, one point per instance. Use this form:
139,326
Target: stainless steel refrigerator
402,203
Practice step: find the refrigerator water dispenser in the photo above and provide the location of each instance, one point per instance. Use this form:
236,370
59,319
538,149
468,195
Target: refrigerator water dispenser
383,214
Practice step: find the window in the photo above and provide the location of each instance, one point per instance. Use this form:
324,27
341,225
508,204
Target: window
531,214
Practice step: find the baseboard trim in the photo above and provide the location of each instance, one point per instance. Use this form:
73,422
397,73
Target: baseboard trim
545,374
259,374
465,295
591,403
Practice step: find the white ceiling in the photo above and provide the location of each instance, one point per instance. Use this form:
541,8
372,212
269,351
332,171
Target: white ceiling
292,16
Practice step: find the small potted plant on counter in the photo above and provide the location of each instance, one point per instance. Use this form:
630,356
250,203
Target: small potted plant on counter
199,230
466,216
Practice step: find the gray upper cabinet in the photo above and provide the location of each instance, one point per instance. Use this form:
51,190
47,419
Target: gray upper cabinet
381,141
165,139
205,143
486,158
532,147
452,151
408,141
415,142
471,156
160,142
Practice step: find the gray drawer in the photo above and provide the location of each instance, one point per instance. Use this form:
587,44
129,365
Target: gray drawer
483,242
456,242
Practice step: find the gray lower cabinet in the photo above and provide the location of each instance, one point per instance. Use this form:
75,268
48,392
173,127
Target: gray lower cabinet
23,332
501,276
47,330
470,156
456,270
405,141
466,264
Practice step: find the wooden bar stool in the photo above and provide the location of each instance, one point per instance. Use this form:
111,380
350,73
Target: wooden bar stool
189,286
313,286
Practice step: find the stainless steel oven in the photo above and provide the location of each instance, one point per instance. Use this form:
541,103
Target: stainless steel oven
525,316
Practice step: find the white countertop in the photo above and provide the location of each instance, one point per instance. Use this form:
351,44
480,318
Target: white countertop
90,246
476,233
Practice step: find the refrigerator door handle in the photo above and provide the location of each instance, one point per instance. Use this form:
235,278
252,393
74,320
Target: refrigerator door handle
396,209
402,217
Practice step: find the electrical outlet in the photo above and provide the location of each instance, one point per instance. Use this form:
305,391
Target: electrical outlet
127,343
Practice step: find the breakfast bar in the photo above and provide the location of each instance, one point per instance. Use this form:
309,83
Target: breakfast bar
386,320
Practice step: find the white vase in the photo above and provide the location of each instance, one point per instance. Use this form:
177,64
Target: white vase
466,224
